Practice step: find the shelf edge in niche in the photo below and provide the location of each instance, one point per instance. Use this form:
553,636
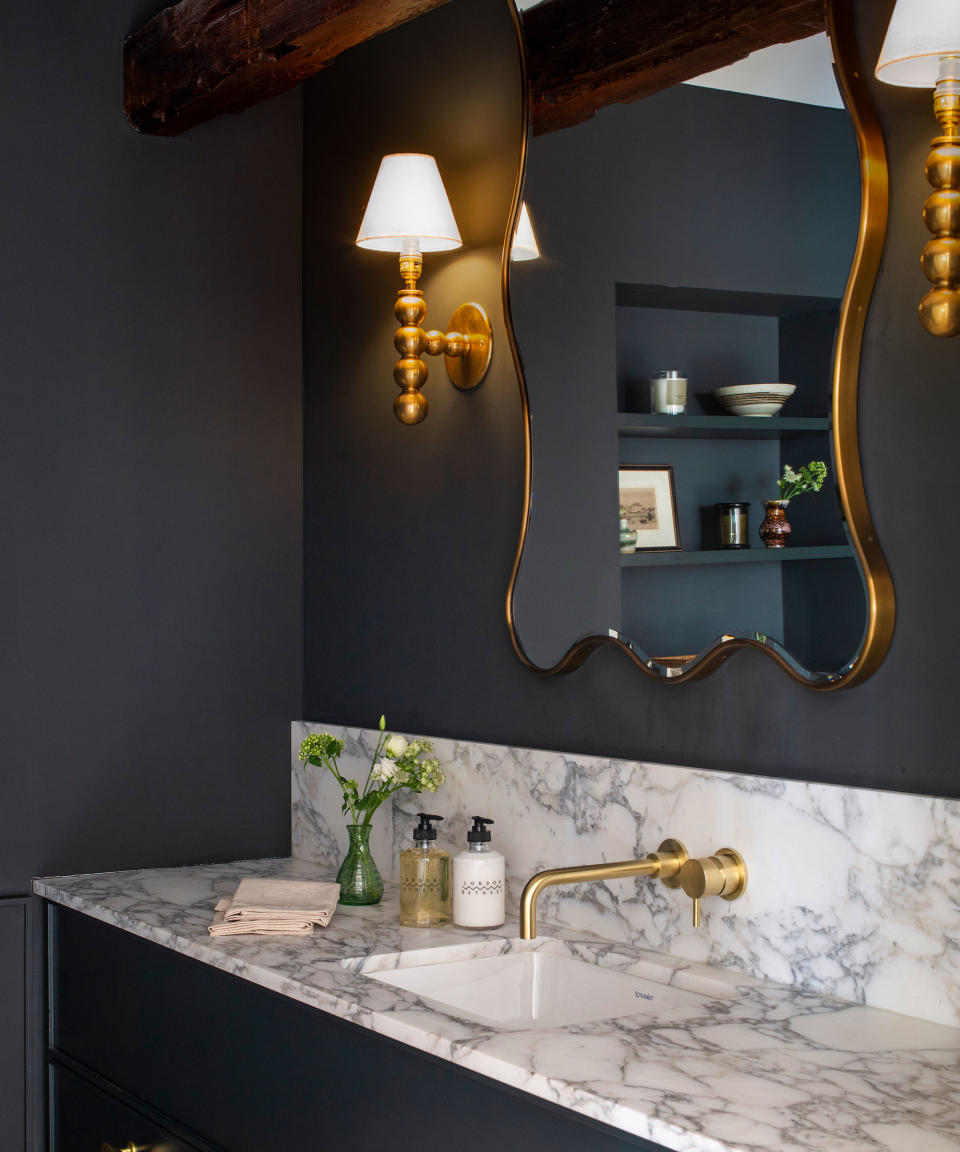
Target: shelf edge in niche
718,427
737,556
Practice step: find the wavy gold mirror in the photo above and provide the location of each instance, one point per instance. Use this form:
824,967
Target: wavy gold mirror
734,238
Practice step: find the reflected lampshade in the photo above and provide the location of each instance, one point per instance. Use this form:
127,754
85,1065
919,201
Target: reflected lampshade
408,209
525,246
920,34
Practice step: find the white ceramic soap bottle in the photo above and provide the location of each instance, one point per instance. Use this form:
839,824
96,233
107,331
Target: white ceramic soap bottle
478,881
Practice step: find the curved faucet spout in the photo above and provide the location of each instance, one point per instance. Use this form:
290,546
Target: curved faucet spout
665,863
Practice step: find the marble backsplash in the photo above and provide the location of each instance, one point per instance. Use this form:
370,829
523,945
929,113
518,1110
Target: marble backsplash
851,891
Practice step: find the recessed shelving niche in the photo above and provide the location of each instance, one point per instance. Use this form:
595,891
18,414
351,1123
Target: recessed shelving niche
808,595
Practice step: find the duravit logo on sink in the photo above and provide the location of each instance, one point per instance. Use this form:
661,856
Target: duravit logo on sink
642,995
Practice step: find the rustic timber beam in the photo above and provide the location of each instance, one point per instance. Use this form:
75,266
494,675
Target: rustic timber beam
582,56
199,58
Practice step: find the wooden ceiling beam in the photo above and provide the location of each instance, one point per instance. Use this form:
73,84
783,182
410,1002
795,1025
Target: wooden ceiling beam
582,56
199,58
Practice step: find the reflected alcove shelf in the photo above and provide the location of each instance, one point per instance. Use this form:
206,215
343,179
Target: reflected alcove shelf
766,278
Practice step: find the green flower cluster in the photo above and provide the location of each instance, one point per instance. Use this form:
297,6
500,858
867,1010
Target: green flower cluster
809,478
423,775
396,764
320,746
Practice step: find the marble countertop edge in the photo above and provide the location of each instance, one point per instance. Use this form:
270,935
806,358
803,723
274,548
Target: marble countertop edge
709,1083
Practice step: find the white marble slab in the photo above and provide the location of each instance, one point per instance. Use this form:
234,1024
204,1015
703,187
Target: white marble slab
765,1069
852,892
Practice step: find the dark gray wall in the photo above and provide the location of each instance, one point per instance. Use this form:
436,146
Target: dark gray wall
150,599
410,532
150,588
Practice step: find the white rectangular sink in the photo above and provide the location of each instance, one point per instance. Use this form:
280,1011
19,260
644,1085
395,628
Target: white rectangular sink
538,989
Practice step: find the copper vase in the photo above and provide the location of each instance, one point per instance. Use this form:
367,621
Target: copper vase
775,529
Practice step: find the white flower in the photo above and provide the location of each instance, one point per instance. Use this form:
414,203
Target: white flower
395,747
384,769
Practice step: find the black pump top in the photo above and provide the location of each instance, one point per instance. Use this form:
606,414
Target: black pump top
478,834
425,830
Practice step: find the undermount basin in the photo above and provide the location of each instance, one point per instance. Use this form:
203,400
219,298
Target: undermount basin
537,989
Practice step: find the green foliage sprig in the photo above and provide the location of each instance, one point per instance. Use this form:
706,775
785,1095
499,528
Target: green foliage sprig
397,763
810,478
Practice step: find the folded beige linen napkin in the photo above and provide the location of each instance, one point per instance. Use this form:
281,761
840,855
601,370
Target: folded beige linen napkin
275,905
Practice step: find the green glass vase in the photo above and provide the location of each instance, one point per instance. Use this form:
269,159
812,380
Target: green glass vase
359,877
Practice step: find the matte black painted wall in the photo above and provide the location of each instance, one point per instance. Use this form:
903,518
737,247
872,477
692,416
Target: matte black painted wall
410,533
149,464
150,582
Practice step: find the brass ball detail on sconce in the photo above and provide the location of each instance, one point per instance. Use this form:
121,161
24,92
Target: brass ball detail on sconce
410,340
457,344
410,407
922,50
469,346
940,308
467,351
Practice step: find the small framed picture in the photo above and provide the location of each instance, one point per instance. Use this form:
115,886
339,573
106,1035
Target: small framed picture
648,495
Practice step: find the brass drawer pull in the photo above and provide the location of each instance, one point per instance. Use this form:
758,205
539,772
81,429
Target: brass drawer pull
131,1147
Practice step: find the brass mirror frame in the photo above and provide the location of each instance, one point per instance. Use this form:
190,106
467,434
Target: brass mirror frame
874,196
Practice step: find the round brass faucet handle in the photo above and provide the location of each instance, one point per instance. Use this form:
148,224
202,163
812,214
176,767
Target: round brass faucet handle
699,878
723,874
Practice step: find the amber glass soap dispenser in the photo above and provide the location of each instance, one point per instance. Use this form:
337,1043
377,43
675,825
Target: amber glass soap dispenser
425,896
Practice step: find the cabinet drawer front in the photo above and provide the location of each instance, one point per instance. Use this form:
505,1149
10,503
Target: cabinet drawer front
84,1119
252,1071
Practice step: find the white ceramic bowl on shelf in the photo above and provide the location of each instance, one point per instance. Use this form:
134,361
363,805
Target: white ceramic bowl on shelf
754,399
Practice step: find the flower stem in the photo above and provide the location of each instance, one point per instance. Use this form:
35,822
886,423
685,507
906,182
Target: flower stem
381,739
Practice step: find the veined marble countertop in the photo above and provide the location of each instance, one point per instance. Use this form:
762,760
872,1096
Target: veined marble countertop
758,1068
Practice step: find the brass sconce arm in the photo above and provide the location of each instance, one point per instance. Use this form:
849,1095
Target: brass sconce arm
467,347
665,863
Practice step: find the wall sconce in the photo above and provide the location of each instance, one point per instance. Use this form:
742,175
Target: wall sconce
524,246
922,50
409,213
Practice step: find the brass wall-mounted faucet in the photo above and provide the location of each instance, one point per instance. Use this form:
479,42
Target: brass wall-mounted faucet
723,874
665,863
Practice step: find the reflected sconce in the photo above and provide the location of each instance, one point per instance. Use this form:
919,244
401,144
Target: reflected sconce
922,50
409,213
524,246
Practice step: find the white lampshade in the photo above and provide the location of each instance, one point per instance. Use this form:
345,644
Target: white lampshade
408,209
525,246
920,33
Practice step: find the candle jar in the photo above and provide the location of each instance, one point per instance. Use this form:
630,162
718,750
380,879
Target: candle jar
733,524
668,393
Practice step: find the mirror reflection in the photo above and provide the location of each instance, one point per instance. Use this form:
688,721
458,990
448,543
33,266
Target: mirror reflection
703,234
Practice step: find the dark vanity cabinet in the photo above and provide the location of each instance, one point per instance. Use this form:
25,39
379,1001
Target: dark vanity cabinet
150,1049
15,1054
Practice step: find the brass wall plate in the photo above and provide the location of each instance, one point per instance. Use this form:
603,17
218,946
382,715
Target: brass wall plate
740,864
467,371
